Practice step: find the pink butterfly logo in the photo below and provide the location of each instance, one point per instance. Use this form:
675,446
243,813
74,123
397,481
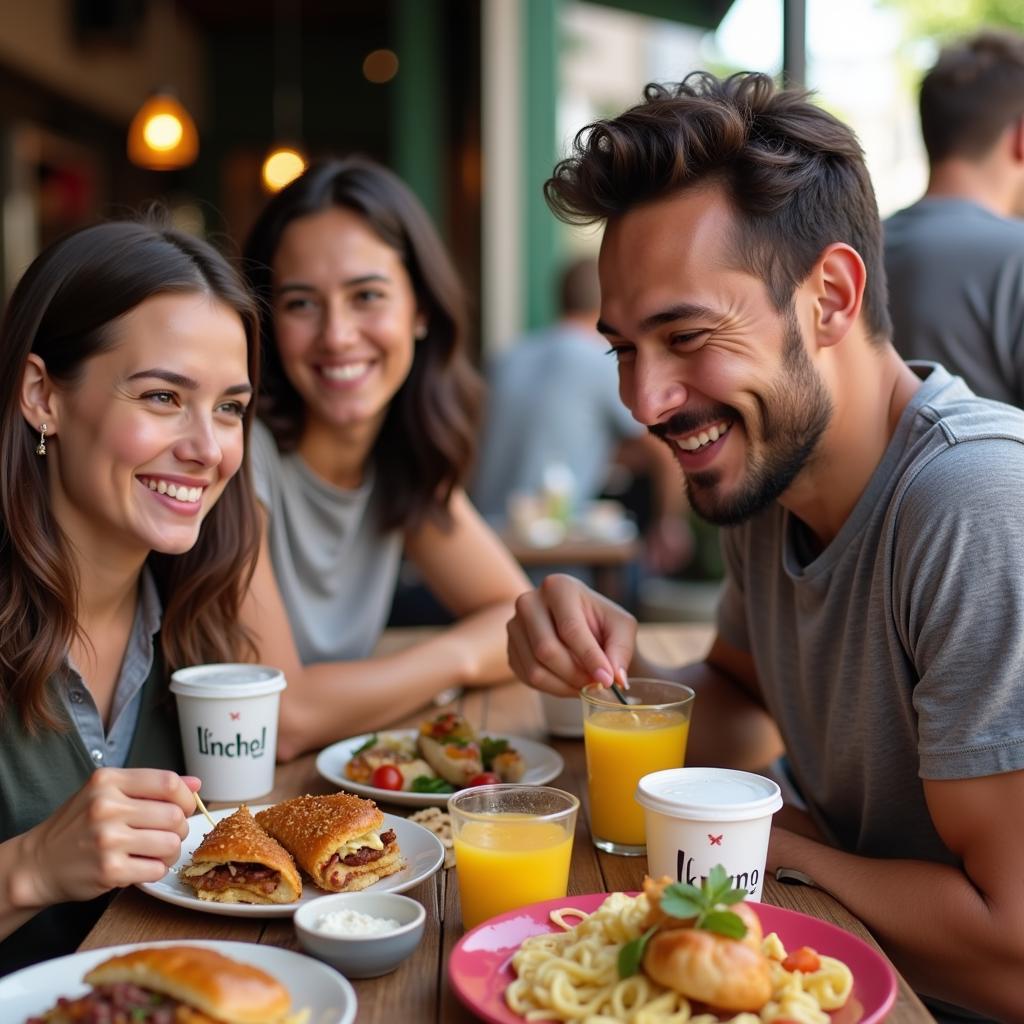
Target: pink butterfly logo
715,840
235,715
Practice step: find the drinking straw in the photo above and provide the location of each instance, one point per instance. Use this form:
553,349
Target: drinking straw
621,674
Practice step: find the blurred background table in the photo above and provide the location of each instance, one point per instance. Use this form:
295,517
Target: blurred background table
609,561
419,991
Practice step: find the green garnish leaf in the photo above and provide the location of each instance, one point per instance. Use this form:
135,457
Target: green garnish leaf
717,883
632,953
724,922
368,745
707,904
677,903
490,749
431,784
733,896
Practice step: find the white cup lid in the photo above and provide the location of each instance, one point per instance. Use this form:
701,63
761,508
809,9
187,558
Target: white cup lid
227,680
709,794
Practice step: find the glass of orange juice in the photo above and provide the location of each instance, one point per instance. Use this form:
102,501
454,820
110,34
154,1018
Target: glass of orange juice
512,847
624,742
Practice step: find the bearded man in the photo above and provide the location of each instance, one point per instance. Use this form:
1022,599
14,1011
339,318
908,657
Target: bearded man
872,621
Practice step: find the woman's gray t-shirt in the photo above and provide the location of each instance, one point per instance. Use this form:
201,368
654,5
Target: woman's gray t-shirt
335,570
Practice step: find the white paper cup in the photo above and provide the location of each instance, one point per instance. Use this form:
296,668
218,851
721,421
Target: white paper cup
228,716
699,817
563,716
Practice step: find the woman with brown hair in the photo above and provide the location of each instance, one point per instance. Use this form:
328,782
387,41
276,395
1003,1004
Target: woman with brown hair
128,356
369,416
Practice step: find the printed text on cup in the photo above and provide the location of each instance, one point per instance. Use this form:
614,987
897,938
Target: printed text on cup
236,747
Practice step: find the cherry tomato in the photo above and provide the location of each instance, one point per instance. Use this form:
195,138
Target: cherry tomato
387,776
444,724
803,959
484,779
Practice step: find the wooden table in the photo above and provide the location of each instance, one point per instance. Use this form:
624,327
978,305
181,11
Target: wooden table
418,991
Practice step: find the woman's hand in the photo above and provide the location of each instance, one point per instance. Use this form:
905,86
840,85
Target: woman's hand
124,826
565,635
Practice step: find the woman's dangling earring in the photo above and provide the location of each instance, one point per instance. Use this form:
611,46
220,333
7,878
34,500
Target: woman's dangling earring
41,447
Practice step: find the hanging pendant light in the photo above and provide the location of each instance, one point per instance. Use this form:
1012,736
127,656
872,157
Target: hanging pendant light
286,160
162,135
282,165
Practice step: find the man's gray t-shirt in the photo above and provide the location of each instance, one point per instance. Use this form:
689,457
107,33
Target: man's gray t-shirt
896,653
956,292
336,571
553,398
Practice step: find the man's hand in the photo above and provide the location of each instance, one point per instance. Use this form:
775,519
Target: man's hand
565,635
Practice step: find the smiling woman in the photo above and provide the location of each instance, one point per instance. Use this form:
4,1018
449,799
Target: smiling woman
369,416
157,417
128,357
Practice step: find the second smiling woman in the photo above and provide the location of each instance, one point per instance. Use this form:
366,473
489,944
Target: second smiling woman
368,421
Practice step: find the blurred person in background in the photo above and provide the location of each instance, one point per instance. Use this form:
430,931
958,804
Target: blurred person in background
553,405
368,421
127,534
872,618
955,259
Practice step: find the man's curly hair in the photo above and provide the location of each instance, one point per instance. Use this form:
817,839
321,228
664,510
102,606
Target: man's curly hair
794,174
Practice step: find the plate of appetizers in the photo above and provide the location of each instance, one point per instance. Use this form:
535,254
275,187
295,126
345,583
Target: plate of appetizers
481,965
317,992
423,767
239,870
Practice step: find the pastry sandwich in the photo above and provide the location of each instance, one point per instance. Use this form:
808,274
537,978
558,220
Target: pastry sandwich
239,863
179,983
340,840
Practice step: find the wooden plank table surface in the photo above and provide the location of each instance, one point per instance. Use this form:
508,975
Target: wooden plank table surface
418,991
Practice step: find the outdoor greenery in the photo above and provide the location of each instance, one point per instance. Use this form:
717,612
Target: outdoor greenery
927,19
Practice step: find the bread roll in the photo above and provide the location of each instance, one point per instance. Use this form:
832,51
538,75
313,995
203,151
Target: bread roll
221,866
227,991
339,840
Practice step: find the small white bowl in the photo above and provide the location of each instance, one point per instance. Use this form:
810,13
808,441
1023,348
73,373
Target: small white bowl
362,956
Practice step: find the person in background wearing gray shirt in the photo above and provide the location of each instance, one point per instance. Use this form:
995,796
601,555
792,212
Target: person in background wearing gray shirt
955,259
553,401
872,621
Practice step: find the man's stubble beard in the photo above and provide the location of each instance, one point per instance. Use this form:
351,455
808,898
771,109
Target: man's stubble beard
794,413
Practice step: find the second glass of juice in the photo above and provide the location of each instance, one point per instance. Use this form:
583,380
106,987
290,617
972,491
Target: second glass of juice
512,846
622,744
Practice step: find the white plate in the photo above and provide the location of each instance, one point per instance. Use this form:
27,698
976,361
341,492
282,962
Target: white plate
329,997
542,765
421,850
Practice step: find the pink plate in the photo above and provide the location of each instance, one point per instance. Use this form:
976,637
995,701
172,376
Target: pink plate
479,968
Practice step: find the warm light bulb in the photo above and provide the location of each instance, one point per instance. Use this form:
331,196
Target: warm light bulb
162,135
282,166
162,132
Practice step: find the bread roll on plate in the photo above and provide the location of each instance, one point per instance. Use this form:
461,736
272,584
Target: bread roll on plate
338,840
239,863
198,986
